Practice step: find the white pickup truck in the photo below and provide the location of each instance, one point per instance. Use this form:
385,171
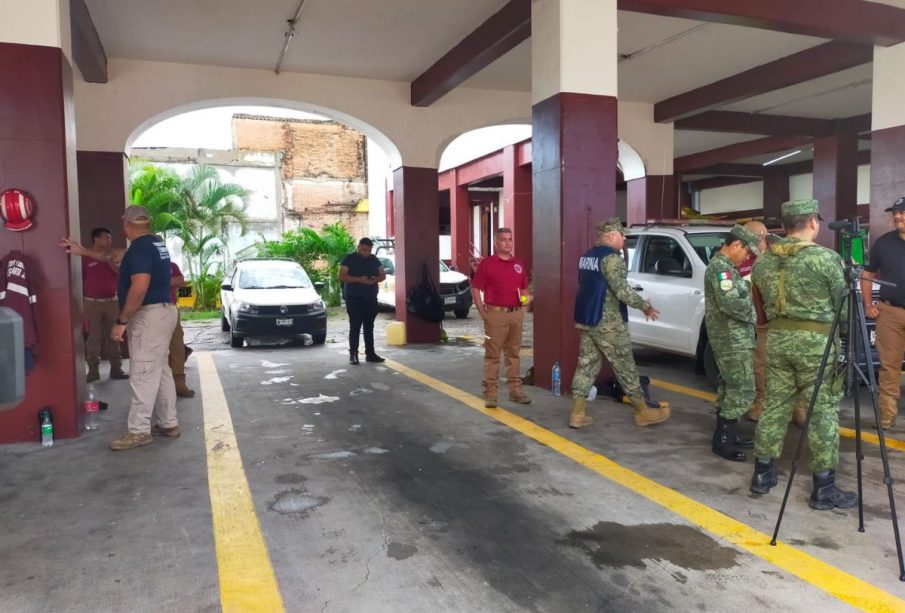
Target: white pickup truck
666,265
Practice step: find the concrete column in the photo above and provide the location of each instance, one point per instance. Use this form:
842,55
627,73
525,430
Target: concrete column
887,148
651,197
103,192
460,225
37,154
574,156
517,204
835,181
776,191
417,221
390,214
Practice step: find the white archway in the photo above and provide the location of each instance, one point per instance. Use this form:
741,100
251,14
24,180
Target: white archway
630,163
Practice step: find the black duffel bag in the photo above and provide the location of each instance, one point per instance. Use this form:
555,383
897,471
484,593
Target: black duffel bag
424,300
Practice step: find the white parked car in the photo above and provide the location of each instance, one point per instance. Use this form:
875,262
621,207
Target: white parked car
666,265
454,287
272,298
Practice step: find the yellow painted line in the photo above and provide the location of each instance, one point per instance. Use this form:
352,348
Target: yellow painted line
870,437
247,580
867,437
847,588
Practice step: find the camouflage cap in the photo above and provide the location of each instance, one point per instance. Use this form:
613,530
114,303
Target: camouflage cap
613,224
137,214
749,238
793,208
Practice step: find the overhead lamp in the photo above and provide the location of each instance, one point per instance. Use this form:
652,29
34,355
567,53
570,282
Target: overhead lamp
289,34
782,157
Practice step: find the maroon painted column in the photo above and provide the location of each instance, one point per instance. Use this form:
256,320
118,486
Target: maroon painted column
887,176
651,197
417,221
574,152
776,191
835,181
517,204
37,155
103,192
460,225
390,214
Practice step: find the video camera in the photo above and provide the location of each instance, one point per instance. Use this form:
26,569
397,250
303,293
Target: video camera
852,235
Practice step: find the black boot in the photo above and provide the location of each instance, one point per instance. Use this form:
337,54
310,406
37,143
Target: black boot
373,357
722,443
826,495
353,358
743,442
764,476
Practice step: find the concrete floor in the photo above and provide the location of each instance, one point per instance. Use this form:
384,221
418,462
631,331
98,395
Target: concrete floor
396,497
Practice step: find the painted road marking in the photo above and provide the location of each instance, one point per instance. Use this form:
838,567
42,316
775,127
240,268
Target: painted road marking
247,580
867,437
847,588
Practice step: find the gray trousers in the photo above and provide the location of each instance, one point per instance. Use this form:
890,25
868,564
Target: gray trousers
150,377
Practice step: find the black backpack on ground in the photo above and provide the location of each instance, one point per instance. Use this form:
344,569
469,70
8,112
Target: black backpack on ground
424,300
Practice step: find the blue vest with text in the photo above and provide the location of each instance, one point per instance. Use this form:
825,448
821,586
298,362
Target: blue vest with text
592,288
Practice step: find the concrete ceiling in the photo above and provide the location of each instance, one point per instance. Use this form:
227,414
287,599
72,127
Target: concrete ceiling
399,39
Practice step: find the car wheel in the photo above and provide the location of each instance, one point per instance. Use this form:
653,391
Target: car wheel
235,340
461,313
711,370
320,338
224,323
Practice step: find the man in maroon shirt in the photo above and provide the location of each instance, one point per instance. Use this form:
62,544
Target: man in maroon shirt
504,281
101,308
178,350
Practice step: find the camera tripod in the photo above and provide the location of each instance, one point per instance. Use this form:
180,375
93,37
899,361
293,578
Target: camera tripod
857,347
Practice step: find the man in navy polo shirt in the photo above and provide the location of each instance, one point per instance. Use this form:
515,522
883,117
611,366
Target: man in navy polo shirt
360,273
503,279
149,318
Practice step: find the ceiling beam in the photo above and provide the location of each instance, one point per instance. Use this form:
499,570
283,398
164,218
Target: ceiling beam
802,66
714,182
760,146
856,21
755,123
859,124
502,32
732,170
87,49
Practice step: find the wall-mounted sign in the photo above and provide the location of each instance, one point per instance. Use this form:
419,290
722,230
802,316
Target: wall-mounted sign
17,207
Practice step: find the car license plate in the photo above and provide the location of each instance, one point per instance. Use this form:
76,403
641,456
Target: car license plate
449,300
284,322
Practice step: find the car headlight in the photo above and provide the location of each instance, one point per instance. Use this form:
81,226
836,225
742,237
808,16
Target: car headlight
245,307
318,306
464,285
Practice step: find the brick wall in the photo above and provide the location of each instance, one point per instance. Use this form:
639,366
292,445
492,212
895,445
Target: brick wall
324,168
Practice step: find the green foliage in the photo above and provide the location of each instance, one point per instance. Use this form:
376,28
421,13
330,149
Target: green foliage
319,253
197,209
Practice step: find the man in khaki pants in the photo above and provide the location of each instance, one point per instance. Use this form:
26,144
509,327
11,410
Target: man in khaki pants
886,256
504,281
149,317
99,286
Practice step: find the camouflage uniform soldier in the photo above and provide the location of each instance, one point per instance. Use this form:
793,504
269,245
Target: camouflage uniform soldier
729,316
801,284
601,315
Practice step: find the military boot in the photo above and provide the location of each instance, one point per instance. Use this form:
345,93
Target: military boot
723,441
181,388
764,476
888,410
578,419
93,373
648,416
826,495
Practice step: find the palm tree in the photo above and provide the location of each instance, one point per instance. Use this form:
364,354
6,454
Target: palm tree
157,189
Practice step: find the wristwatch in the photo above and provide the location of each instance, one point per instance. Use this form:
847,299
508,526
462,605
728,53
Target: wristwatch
120,322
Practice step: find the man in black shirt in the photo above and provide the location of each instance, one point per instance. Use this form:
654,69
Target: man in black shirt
360,272
887,261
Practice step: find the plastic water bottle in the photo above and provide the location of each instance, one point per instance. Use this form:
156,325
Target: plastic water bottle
557,379
92,406
46,427
592,393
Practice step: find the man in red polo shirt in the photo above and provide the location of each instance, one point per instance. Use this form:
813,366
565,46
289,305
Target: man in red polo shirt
99,280
503,279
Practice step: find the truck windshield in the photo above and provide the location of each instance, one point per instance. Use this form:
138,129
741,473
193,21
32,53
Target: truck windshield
706,245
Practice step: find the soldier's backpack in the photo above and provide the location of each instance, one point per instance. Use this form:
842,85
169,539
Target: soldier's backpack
424,300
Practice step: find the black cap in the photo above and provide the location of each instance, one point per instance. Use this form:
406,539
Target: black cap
898,205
